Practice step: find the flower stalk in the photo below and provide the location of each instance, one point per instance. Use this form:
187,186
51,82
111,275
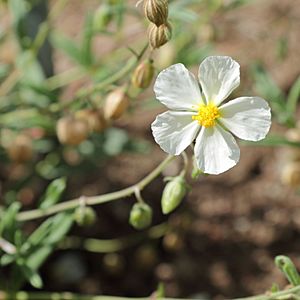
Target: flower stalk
95,200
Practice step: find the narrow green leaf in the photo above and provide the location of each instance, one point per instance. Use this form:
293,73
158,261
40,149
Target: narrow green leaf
8,220
67,45
27,118
31,275
7,259
274,141
60,227
53,193
293,96
86,48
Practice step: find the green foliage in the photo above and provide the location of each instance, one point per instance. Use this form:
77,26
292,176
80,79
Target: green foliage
31,103
53,193
285,264
283,106
34,250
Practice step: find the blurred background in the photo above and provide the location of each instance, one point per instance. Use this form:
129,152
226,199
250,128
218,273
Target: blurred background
222,240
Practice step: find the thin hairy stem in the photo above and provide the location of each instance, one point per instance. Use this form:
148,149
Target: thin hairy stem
95,200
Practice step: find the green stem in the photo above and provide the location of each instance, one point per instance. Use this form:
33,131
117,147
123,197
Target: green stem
64,296
113,245
94,200
185,164
288,294
113,78
282,295
64,78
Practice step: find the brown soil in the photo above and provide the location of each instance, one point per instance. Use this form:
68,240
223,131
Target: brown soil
230,227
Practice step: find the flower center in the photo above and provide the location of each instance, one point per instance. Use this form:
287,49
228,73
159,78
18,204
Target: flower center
207,114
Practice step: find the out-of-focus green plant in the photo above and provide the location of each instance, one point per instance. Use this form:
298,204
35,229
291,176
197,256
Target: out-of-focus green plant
283,106
54,135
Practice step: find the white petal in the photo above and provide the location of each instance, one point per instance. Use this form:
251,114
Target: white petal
249,118
177,88
216,150
219,76
174,131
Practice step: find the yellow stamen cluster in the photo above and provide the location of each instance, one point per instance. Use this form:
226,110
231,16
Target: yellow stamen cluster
207,115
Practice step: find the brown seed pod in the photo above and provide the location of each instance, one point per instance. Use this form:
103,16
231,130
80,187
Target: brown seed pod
20,149
165,56
116,104
293,134
156,11
71,131
158,36
291,174
94,119
143,74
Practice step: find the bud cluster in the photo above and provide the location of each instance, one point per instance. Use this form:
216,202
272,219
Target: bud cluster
75,128
160,31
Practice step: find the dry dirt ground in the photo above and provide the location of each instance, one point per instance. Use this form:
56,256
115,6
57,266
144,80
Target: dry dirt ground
229,228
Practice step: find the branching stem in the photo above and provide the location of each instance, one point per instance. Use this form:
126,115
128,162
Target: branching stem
94,200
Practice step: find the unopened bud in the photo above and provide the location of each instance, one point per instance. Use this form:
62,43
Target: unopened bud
94,119
20,149
291,174
173,194
140,215
116,104
85,216
71,131
159,35
143,75
102,17
156,11
165,56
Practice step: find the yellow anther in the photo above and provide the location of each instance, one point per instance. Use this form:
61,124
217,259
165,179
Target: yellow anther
207,115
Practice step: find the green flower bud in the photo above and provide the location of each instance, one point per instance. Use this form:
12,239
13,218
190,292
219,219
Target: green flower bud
140,215
173,194
102,17
85,216
285,264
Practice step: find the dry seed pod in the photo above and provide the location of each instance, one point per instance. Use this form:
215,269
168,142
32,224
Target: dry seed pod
156,11
116,104
293,134
71,131
158,36
20,149
143,74
94,119
165,56
291,174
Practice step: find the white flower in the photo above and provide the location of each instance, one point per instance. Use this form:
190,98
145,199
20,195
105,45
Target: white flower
197,114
